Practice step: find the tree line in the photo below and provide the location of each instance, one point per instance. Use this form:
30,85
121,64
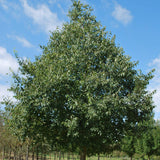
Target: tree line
83,94
142,144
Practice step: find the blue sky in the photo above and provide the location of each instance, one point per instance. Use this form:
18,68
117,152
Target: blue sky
26,24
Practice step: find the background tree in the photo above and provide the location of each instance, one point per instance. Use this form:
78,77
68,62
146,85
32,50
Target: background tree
128,145
82,93
7,140
156,137
137,141
145,143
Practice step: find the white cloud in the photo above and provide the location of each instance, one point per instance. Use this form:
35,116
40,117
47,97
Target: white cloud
155,84
24,42
4,93
62,10
42,16
3,3
9,6
7,62
122,14
156,99
156,62
21,40
52,1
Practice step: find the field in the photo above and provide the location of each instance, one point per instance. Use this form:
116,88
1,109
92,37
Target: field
67,156
57,156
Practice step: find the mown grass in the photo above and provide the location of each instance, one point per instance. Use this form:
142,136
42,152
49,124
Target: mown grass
71,156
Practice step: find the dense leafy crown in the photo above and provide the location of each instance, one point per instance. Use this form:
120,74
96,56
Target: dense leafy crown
82,92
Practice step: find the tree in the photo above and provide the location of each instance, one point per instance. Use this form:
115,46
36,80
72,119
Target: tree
128,145
145,143
82,93
139,139
156,137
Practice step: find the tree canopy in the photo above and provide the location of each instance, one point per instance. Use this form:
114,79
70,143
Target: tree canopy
83,93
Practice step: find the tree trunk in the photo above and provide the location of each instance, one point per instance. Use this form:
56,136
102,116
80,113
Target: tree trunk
60,155
27,152
3,155
98,157
33,155
19,153
68,156
83,155
41,152
10,152
63,155
55,154
15,153
37,153
131,157
73,156
45,157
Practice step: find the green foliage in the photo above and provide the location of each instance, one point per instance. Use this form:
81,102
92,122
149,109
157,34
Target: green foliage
82,93
7,140
128,145
156,136
145,143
